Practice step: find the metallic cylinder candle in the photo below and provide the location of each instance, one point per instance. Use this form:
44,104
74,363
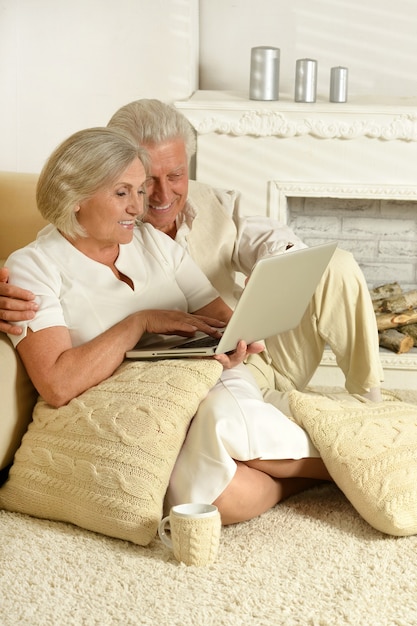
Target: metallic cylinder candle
264,73
305,80
338,84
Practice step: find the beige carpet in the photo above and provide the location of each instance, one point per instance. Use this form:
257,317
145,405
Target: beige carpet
310,561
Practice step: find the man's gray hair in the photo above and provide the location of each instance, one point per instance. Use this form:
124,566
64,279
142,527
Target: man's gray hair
152,122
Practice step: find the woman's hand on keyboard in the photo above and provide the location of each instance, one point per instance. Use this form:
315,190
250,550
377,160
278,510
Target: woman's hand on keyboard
174,322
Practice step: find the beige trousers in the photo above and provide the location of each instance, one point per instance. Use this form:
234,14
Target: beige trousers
339,315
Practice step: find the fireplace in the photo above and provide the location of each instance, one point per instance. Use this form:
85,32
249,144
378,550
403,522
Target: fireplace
332,171
380,232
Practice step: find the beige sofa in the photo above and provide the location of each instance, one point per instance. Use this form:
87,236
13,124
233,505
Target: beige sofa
19,223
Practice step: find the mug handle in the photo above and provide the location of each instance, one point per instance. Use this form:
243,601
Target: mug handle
162,534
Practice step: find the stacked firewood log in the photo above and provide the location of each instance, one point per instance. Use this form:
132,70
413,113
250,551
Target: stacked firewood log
396,317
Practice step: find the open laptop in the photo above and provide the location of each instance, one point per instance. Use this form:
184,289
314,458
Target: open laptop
273,301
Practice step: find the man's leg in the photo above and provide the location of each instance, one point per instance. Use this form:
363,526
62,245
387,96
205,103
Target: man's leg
340,315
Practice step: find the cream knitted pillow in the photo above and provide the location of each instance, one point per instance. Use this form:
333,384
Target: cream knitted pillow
370,450
103,461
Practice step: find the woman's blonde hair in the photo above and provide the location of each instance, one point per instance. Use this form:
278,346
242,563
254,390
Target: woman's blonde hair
87,161
151,121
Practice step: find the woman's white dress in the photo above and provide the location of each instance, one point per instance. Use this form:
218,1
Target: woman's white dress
233,421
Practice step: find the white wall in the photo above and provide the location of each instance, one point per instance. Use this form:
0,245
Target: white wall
69,64
375,39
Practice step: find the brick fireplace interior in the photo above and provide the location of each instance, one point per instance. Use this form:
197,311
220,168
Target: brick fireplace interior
382,234
332,171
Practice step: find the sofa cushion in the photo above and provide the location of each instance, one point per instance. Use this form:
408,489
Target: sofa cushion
370,450
18,397
20,219
103,461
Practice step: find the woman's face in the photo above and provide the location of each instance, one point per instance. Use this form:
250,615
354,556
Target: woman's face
109,216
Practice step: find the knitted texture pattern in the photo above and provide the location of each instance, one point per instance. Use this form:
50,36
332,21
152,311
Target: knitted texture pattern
104,460
370,450
196,541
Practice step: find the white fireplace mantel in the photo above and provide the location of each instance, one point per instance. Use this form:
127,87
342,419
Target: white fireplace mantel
232,114
364,146
271,151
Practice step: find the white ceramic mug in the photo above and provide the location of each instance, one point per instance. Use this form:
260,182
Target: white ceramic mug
194,533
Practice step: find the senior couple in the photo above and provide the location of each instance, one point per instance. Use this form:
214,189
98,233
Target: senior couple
241,452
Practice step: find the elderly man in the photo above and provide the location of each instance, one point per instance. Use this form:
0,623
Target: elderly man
206,221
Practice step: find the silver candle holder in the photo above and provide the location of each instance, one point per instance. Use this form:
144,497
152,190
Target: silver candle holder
338,84
305,80
264,73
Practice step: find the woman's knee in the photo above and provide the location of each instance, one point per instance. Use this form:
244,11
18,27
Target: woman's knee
249,494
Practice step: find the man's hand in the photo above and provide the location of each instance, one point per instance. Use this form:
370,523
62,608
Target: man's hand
16,305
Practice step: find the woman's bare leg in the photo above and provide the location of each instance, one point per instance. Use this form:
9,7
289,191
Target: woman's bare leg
292,468
252,492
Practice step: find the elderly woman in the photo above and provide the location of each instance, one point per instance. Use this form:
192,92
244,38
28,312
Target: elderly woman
102,281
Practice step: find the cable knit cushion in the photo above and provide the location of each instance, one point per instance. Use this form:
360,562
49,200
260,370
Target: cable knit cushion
103,461
370,450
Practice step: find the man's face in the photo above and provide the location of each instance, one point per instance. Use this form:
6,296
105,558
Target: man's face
167,186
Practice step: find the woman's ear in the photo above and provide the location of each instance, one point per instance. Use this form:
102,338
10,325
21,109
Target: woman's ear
77,208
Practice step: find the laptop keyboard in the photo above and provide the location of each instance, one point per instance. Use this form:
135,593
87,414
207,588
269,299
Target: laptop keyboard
202,342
